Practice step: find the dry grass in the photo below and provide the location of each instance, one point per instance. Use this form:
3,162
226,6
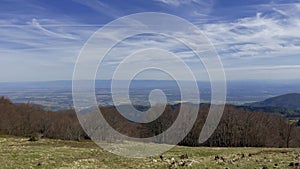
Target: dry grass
18,152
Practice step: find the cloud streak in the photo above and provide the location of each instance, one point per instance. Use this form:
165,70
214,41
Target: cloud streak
100,7
272,34
278,67
35,23
267,40
184,2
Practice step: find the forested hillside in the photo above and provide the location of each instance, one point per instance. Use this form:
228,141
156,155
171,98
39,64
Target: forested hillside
238,127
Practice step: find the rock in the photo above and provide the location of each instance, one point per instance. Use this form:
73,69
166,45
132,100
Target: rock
234,160
291,164
155,161
265,167
161,157
184,156
222,158
35,137
174,165
182,163
296,164
189,163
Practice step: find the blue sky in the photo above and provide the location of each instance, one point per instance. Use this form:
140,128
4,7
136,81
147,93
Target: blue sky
255,39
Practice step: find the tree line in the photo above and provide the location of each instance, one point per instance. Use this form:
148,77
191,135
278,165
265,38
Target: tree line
239,127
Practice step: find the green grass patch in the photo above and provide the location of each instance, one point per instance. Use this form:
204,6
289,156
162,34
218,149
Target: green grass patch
18,152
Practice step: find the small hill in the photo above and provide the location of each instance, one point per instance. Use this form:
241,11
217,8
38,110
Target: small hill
289,101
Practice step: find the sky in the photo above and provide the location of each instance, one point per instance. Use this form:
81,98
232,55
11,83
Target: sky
255,39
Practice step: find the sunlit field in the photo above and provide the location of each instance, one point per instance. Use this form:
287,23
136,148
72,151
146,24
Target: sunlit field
17,152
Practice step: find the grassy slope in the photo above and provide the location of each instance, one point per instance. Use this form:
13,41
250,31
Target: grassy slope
19,153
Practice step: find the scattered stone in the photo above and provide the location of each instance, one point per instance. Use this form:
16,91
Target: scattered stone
234,160
173,165
182,163
190,162
184,156
155,161
222,158
291,164
161,157
217,157
297,166
35,137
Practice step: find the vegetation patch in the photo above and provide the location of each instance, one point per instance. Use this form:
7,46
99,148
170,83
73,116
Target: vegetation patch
18,152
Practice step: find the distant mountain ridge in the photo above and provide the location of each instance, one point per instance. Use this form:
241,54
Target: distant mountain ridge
288,101
287,105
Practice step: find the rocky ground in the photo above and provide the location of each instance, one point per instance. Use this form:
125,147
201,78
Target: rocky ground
46,153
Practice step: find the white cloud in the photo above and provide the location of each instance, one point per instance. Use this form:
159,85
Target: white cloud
35,23
250,45
31,51
264,68
189,9
263,35
101,7
184,2
280,11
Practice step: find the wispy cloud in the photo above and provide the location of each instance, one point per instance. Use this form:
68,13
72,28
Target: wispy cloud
190,9
38,52
35,23
264,67
100,7
185,2
270,34
255,39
